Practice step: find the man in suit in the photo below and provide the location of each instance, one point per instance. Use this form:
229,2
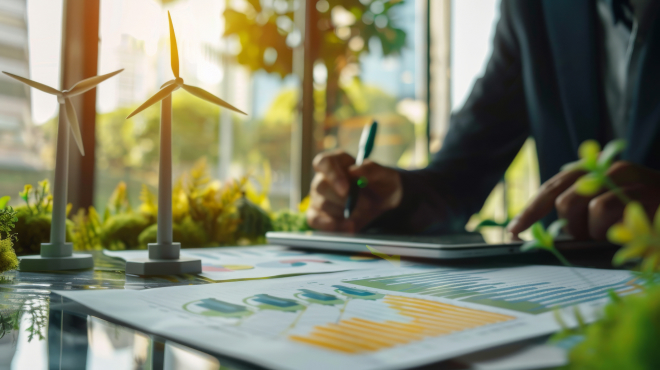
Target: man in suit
562,71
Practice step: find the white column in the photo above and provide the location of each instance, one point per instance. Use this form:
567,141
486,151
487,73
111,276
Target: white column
58,223
164,236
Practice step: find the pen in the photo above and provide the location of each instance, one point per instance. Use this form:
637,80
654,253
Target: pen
364,150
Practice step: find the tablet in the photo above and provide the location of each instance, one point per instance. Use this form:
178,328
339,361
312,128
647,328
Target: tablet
468,245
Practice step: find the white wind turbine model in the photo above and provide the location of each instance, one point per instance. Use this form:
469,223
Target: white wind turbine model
164,257
58,254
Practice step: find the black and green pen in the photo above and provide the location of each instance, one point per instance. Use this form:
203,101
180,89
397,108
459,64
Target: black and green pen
364,150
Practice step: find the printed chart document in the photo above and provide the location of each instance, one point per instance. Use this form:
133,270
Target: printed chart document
373,319
233,263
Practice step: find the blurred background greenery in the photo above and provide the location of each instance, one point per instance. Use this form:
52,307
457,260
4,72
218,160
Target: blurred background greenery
371,61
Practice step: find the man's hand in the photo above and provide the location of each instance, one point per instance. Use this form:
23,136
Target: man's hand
589,217
335,171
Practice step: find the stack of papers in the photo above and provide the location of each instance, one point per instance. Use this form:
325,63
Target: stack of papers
381,318
236,263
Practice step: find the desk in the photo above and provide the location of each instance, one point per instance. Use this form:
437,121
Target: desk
52,333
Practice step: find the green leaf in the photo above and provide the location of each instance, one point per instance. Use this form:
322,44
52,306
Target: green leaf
611,150
555,228
634,250
532,244
588,184
588,152
560,320
613,296
656,221
635,219
538,233
619,234
4,200
573,166
650,263
580,319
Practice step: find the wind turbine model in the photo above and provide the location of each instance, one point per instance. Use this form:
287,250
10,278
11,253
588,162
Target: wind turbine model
164,257
58,254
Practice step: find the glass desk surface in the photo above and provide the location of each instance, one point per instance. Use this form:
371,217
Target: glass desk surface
41,330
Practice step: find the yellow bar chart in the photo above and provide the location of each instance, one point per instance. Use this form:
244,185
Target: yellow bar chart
420,318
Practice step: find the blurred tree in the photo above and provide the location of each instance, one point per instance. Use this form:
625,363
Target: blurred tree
133,144
267,35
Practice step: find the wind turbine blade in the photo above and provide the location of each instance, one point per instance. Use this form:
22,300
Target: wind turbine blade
174,51
72,119
36,85
160,95
168,83
203,94
90,83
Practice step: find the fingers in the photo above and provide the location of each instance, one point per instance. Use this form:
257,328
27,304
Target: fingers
326,206
321,221
366,210
544,201
370,170
328,192
334,166
574,208
322,191
607,209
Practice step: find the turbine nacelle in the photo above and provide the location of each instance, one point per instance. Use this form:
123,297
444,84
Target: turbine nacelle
177,83
63,98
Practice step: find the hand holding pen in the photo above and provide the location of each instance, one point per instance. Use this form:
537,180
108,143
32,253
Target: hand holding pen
335,172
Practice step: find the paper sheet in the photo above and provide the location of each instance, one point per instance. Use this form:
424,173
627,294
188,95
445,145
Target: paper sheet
375,319
231,263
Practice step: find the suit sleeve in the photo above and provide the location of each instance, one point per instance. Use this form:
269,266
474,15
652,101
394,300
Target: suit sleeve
483,139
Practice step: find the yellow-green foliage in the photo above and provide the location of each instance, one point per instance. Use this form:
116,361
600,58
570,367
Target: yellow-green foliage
33,225
187,233
87,231
204,213
287,220
8,260
627,337
628,334
123,230
254,222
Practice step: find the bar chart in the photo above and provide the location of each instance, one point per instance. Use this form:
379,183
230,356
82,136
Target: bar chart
419,319
534,289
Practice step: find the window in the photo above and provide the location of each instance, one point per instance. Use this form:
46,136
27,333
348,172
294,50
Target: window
243,51
371,62
30,43
381,76
135,36
472,32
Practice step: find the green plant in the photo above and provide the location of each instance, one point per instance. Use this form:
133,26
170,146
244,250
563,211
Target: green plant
640,239
596,164
628,333
8,260
627,336
545,239
34,217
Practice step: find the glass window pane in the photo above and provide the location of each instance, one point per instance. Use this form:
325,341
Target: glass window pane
135,35
30,46
473,28
371,66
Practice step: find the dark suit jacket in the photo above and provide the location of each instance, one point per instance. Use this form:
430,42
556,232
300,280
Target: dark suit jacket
543,79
